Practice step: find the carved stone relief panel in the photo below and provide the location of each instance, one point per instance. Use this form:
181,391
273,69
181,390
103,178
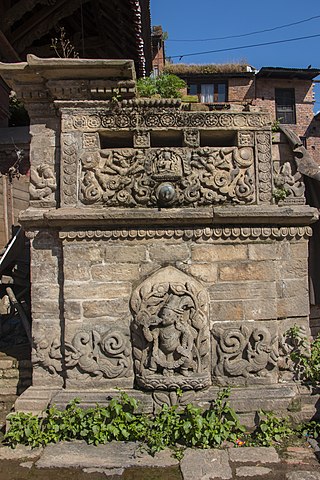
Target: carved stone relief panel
141,139
191,138
245,138
288,181
43,184
170,332
89,354
168,176
246,353
98,355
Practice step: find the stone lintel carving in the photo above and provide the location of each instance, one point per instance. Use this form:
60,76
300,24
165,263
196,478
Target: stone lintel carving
97,355
168,177
170,333
136,116
218,234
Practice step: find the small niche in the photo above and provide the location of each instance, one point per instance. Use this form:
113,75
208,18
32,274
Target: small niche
113,139
166,138
214,138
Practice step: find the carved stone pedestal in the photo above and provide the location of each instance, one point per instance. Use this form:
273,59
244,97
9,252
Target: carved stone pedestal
160,258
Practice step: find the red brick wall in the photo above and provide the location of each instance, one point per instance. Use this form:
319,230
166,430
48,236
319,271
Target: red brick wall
240,89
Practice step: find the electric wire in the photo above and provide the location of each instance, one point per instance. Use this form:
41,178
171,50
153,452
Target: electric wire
244,46
245,34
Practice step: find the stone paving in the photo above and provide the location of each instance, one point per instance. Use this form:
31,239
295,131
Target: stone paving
113,459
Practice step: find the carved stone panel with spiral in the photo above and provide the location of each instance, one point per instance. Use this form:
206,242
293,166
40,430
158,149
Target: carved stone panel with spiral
168,177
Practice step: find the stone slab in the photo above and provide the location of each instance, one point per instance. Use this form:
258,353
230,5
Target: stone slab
260,455
113,455
205,465
252,472
20,452
303,475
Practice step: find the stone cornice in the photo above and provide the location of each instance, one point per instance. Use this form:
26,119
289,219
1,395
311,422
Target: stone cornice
272,215
216,234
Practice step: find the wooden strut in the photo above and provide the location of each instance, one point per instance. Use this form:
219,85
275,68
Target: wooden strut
21,312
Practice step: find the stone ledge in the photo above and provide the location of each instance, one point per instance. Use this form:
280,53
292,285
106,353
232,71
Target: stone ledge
116,217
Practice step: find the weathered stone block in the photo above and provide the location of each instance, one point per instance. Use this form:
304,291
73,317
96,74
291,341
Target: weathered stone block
72,310
269,251
260,309
45,306
294,268
44,273
112,307
97,290
226,311
207,272
90,252
242,290
115,272
75,270
125,253
44,291
293,307
218,253
162,253
251,271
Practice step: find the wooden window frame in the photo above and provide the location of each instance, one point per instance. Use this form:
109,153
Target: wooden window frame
285,110
216,92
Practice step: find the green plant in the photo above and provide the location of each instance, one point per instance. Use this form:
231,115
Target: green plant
305,354
146,87
173,426
271,429
280,194
275,127
164,85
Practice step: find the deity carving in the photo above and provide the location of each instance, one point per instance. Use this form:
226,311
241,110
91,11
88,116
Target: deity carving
165,164
42,183
170,332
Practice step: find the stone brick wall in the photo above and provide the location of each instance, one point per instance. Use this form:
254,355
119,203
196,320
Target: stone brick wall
15,372
255,279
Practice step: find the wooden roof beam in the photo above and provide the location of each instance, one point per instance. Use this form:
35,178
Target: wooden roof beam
18,10
42,22
7,51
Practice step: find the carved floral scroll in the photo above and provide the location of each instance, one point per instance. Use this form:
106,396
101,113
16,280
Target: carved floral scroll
168,176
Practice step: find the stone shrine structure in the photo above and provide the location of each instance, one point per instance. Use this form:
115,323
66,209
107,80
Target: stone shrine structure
168,246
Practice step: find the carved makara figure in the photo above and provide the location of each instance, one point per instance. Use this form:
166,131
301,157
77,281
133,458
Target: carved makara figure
42,183
289,181
170,332
245,351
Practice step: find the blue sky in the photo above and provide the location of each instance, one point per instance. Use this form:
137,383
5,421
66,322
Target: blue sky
205,19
